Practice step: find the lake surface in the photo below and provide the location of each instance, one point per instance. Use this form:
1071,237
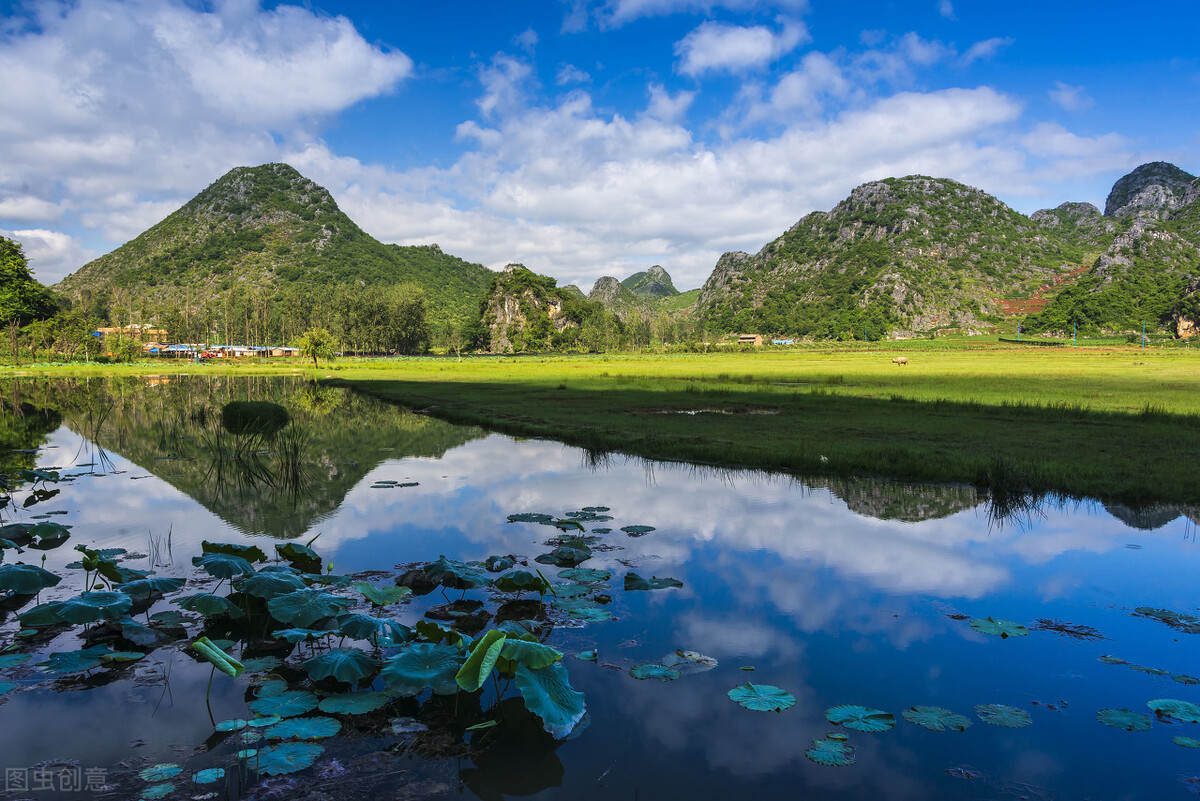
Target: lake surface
856,592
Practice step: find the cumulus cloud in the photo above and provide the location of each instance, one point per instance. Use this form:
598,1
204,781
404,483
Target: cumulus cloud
985,49
51,254
613,13
569,74
946,9
1070,98
717,47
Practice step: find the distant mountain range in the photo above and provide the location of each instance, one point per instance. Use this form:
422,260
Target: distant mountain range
897,257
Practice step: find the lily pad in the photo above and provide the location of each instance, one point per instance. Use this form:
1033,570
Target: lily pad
522,581
287,758
304,729
76,661
596,509
1124,719
1182,711
258,664
582,609
1002,715
344,664
936,718
270,585
548,694
160,772
861,718
998,628
422,665
251,553
761,697
456,575
47,536
688,662
531,517
234,724
208,775
498,564
572,590
147,587
286,704
565,556
305,607
8,686
26,579
353,703
587,656
13,660
586,575
208,605
382,596
156,791
637,531
833,751
1186,742
41,616
1182,621
300,556
635,582
1111,660
223,565
1184,679
366,627
298,635
94,605
652,671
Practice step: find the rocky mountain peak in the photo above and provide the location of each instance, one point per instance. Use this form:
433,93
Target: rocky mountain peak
652,283
1157,187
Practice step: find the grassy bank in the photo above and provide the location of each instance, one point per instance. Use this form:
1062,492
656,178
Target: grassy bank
1114,422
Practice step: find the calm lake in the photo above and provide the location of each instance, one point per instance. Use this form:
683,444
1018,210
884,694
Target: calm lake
849,593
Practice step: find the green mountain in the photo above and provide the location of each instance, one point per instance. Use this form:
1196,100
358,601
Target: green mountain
898,255
269,230
526,311
652,283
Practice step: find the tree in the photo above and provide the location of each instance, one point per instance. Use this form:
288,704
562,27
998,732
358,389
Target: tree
22,298
318,343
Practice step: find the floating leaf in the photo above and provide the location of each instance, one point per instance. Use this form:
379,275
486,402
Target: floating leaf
251,553
287,758
156,791
1184,679
141,635
635,582
264,722
435,633
304,729
637,531
13,660
571,590
1111,660
1182,711
94,605
121,657
306,607
1001,715
422,665
761,697
257,664
1153,671
498,564
300,556
1186,742
296,635
223,565
587,656
531,517
8,686
247,753
652,671
208,605
145,588
596,509
366,627
935,718
160,772
565,556
548,694
41,615
1176,620
1124,719
75,661
455,574
353,703
861,718
26,579
382,596
285,705
270,585
586,575
46,536
236,724
522,581
998,628
688,662
582,609
344,664
568,525
832,751
208,775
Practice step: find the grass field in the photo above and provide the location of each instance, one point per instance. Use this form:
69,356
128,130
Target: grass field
1115,422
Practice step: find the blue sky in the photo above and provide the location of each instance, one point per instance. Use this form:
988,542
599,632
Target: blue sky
579,137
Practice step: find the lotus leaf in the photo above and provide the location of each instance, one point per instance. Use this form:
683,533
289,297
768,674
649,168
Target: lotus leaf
688,662
263,722
480,661
223,565
998,628
304,729
522,581
300,556
8,686
635,582
596,509
586,575
602,531
1111,660
531,517
1184,679
571,590
121,657
237,724
160,772
831,751
365,627
761,697
567,524
328,580
353,703
306,607
587,656
565,556
1186,742
583,609
422,665
172,619
251,553
455,574
296,635
534,655
247,753
271,686
1001,715
860,718
94,605
46,536
1153,671
288,569
258,664
10,545
637,531
498,564
1176,620
145,588
208,605
1182,711
382,596
26,579
141,635
208,775
287,758
270,585
219,659
13,660
75,661
1124,719
652,671
285,705
156,791
435,633
548,694
935,718
41,615
344,664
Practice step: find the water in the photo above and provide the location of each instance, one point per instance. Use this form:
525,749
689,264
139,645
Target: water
851,593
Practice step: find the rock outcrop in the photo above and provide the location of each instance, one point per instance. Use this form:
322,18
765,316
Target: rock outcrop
1157,187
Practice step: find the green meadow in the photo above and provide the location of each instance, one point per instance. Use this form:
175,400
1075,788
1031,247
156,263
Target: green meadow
1115,422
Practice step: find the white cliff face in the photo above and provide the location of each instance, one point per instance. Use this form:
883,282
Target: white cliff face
1157,187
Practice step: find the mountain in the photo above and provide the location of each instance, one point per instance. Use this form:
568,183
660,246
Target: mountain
1148,273
1079,224
270,228
652,283
898,255
615,296
526,311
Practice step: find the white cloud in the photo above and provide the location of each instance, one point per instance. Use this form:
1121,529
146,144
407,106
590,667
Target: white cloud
946,9
817,76
526,40
1070,98
984,49
666,107
51,254
716,47
569,73
614,13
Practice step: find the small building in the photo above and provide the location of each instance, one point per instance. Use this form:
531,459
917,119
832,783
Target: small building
783,342
750,339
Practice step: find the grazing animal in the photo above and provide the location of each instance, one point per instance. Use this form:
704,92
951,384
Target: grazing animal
901,360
